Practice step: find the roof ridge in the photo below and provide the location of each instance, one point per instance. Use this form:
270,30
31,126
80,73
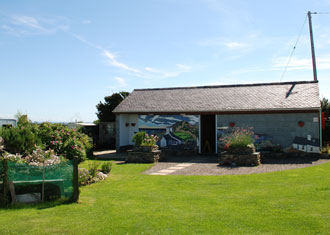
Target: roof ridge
229,85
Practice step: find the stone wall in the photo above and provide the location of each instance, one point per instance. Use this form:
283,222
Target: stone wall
142,157
240,159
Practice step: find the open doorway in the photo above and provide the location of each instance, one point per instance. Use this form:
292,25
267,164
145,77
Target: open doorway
208,134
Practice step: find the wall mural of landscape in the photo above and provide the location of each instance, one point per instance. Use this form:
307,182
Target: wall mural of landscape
174,131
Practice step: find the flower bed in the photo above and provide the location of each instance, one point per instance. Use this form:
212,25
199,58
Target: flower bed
145,149
240,149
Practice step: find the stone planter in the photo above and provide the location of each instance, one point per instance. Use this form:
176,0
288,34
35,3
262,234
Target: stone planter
146,148
136,156
240,159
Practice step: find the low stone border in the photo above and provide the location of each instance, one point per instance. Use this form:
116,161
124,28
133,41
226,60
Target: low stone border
142,157
240,159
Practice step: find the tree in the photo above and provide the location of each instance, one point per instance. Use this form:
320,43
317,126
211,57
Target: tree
326,109
105,109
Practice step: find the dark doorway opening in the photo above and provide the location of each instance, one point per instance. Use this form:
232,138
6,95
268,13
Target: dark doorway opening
208,134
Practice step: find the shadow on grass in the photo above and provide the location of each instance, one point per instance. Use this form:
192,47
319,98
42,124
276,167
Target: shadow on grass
37,205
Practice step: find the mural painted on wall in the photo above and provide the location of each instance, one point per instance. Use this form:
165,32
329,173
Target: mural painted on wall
174,131
264,142
261,141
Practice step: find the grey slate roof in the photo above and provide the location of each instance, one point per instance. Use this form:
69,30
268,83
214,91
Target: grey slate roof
227,98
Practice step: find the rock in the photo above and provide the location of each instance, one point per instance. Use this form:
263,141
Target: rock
102,176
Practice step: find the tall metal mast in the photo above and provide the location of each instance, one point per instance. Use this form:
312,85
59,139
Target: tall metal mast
312,43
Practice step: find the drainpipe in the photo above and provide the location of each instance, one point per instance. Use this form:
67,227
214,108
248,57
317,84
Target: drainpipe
216,137
199,127
320,124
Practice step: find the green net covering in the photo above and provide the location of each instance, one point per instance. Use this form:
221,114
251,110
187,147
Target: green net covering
57,179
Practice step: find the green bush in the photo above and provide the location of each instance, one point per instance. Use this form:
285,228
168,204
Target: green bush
106,167
62,139
143,139
138,138
93,168
21,139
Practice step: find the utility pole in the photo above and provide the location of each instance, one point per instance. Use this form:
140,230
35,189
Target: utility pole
312,43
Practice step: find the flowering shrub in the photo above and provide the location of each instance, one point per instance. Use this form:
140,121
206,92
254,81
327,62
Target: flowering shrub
149,140
239,138
40,157
63,140
143,139
83,176
37,158
92,175
2,146
12,157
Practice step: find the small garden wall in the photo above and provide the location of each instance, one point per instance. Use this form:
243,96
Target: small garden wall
145,149
136,156
240,159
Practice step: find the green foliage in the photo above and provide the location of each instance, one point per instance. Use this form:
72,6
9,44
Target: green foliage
106,167
239,138
104,110
326,132
325,106
83,176
21,139
93,168
138,138
63,140
143,139
149,140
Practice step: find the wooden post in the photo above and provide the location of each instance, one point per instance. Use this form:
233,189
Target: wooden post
75,182
12,192
5,184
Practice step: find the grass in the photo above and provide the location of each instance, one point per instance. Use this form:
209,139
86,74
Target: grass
287,202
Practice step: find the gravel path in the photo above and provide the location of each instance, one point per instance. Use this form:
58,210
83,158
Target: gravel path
200,167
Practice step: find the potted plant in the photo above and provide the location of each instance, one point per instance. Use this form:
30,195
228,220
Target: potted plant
145,148
239,148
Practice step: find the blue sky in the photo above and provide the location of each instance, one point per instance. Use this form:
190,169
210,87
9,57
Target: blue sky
58,59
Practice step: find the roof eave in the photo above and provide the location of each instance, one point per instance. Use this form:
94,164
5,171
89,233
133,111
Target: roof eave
238,111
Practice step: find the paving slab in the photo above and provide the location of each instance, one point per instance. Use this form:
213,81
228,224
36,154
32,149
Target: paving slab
184,164
158,173
166,171
176,167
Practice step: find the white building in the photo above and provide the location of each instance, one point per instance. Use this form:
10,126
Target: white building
8,122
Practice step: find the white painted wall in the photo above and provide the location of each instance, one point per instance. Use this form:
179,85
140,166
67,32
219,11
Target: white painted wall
127,132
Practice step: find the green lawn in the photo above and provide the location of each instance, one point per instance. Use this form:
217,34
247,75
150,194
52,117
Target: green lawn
288,202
